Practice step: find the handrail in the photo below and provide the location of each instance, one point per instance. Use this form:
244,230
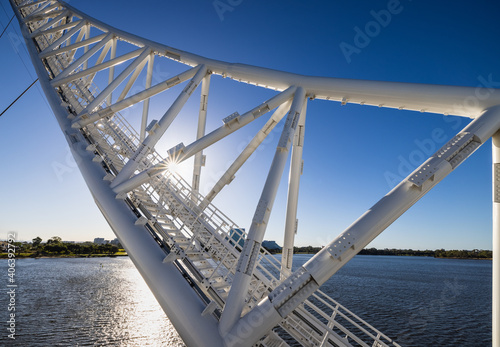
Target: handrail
208,232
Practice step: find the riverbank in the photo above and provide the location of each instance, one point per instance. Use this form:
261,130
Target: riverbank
42,256
438,253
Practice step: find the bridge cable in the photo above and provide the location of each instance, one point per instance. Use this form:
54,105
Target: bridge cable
5,29
13,102
19,54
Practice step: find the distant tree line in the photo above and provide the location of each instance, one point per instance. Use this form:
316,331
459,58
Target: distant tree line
474,254
400,252
307,250
55,246
438,253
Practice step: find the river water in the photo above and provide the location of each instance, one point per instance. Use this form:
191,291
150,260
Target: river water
104,301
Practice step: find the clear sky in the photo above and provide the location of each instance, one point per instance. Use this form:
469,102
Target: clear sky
351,153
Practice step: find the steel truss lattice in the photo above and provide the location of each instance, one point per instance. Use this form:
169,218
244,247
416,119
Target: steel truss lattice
203,269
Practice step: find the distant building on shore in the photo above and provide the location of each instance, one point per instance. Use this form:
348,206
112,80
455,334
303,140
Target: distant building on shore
100,241
271,246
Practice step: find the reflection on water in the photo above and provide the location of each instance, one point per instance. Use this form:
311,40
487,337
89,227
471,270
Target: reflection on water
417,301
85,302
105,302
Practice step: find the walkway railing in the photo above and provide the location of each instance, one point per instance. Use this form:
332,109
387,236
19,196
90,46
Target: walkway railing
201,240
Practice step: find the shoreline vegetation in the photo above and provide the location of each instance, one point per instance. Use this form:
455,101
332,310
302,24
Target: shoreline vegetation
34,256
438,253
56,248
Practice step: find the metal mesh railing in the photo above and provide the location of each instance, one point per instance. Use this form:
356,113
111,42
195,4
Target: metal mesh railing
207,244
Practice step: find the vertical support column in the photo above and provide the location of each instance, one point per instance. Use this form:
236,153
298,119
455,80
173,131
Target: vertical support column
202,120
251,249
291,221
112,68
79,38
307,279
496,241
86,48
228,176
149,142
145,105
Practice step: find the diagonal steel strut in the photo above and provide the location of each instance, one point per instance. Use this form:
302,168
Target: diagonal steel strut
251,249
307,279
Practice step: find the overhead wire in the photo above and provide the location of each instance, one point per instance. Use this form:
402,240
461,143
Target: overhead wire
19,97
5,29
19,35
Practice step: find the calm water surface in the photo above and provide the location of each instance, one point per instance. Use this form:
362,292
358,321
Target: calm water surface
418,301
85,302
105,302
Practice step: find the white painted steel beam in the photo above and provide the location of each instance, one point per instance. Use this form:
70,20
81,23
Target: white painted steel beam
74,46
228,176
111,75
304,281
131,80
96,68
452,100
149,142
100,59
56,29
43,9
79,38
86,119
86,35
235,124
40,11
99,99
251,249
145,105
205,141
76,64
291,221
200,132
496,241
181,304
34,3
170,289
65,37
50,23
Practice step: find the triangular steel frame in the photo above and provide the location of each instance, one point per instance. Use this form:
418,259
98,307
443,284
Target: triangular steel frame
235,292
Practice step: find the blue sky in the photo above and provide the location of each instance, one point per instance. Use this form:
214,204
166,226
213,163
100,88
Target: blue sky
351,153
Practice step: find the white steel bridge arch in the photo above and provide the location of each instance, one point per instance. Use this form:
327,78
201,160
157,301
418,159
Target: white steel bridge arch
170,231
